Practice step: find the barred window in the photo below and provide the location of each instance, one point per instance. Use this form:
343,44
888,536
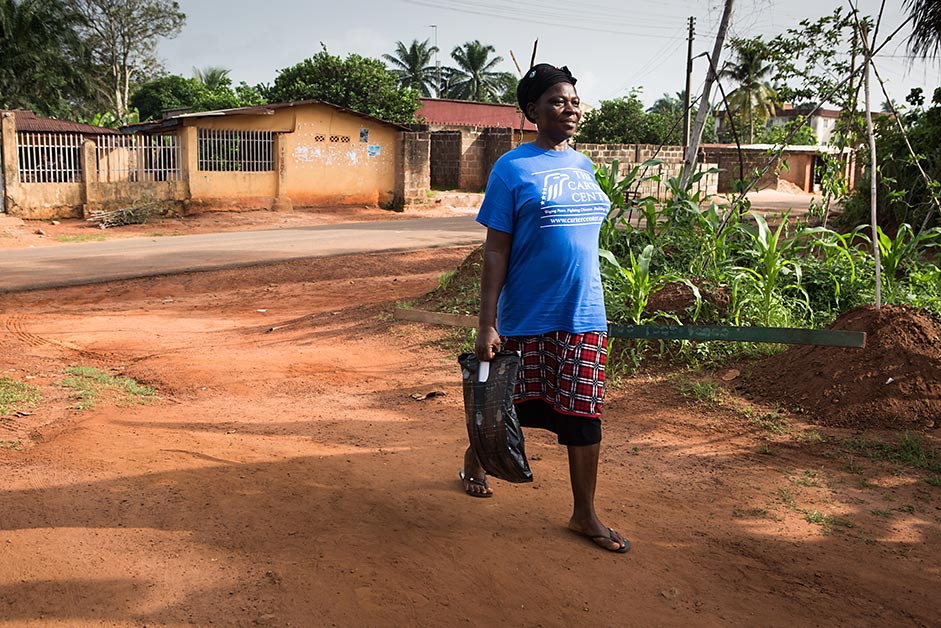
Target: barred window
49,157
344,139
138,158
227,150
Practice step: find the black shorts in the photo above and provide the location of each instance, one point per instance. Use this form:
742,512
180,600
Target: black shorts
575,431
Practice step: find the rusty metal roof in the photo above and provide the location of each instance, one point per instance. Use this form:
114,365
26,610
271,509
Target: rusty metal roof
30,122
470,113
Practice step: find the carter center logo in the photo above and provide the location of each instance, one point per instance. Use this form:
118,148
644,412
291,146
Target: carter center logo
552,186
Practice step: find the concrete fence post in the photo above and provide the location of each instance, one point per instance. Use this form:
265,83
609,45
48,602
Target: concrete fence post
89,163
8,175
280,202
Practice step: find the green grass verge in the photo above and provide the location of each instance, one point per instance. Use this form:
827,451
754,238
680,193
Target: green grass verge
17,396
88,383
911,449
79,238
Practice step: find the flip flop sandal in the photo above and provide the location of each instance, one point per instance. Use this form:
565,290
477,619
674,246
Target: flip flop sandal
610,536
482,483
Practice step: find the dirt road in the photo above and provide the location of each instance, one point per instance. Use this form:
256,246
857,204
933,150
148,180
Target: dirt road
290,478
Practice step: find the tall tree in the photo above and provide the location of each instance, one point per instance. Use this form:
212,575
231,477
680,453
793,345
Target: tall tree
925,39
124,35
358,83
753,97
624,121
41,57
413,65
669,106
475,77
212,76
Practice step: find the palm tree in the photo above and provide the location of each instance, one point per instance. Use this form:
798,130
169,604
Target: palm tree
925,39
414,67
669,106
475,78
754,98
42,55
212,76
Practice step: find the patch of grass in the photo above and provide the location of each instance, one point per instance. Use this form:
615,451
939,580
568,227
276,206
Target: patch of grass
809,478
852,466
811,436
787,498
11,444
88,383
769,421
17,396
934,480
97,237
457,340
445,279
910,450
885,514
827,521
704,392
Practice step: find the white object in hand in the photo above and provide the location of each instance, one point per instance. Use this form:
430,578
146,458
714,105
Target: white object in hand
483,371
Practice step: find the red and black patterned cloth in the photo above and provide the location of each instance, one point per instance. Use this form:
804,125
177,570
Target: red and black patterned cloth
563,369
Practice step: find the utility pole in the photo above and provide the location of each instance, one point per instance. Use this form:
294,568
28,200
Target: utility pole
437,64
691,151
689,82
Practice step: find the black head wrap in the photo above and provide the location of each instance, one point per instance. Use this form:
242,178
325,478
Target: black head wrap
540,77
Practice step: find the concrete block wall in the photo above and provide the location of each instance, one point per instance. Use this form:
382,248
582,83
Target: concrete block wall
445,163
630,155
473,177
461,159
752,161
413,176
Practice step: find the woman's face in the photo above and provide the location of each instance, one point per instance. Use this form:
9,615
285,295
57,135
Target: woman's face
557,112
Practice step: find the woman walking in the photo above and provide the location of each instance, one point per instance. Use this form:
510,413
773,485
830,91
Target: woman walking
541,290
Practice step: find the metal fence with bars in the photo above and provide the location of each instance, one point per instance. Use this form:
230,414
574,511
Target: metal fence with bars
57,157
138,158
229,150
49,157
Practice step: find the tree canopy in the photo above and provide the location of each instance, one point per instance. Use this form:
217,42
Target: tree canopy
624,121
413,67
356,82
753,96
42,57
123,36
173,92
925,39
475,76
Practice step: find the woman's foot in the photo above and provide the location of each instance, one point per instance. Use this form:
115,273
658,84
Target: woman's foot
474,477
603,537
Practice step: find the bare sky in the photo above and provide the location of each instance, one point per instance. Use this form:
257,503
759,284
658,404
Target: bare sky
610,45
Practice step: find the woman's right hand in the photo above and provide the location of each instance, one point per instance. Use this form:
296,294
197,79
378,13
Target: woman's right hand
488,343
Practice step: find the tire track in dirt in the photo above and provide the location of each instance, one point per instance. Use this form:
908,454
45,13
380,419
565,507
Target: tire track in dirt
15,326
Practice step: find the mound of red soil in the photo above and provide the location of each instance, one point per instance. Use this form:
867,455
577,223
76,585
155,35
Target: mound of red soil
894,382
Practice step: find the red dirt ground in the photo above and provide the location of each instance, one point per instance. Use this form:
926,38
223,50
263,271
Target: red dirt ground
286,475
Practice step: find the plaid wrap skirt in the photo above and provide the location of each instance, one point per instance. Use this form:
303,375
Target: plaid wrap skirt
563,369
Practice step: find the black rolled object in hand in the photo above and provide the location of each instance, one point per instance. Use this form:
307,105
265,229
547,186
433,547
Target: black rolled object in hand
492,425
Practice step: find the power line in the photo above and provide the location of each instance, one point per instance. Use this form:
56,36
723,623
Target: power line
564,18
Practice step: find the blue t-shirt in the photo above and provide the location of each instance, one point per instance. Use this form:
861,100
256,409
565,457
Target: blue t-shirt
551,204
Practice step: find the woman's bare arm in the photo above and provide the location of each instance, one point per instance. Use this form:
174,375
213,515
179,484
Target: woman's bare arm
492,276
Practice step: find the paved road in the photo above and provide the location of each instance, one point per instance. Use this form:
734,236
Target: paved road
94,262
